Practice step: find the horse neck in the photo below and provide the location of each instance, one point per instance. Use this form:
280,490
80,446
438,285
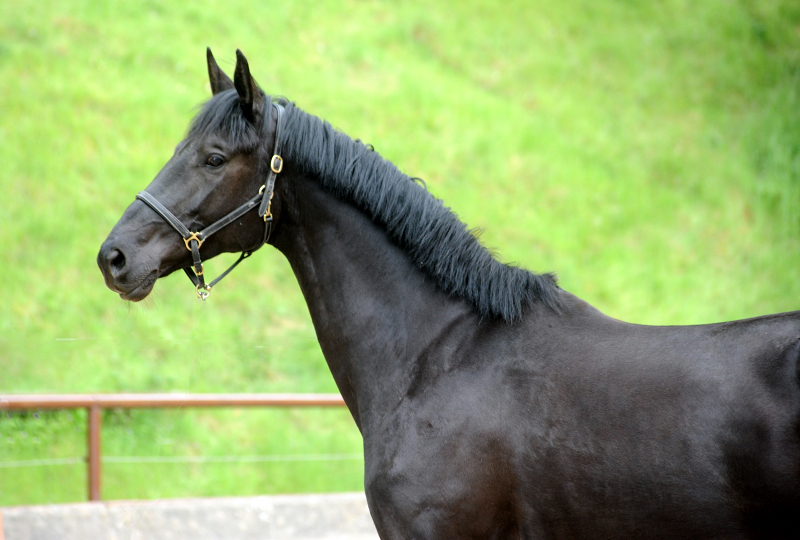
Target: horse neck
376,315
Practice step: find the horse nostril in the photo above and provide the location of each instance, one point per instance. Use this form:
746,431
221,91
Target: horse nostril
113,265
116,259
111,260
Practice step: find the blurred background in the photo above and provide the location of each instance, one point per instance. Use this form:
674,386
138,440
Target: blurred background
646,152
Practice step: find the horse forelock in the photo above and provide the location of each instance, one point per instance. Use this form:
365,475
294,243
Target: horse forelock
436,240
222,116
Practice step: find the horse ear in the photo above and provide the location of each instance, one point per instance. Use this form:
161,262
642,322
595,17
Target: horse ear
250,97
219,81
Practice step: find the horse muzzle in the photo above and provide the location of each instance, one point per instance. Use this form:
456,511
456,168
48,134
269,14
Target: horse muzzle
131,282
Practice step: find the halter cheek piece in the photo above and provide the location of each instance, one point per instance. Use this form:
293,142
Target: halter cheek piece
193,240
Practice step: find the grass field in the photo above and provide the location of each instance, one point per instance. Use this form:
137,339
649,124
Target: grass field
646,152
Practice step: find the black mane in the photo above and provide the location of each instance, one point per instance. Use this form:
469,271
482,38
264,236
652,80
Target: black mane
438,243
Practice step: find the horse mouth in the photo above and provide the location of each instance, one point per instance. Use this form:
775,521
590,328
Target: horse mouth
142,290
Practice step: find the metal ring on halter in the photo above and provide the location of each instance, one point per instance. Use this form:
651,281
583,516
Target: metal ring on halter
194,237
202,294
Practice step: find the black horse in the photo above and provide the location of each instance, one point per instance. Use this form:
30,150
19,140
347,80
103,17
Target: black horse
492,403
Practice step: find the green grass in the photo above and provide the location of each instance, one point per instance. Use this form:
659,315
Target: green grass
649,153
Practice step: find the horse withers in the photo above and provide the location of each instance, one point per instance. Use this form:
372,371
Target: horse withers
492,403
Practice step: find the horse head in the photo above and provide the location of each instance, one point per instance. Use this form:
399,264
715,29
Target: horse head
213,180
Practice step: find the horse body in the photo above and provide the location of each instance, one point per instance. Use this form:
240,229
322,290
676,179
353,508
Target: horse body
482,418
608,430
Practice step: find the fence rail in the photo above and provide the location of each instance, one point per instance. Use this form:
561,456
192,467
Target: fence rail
95,403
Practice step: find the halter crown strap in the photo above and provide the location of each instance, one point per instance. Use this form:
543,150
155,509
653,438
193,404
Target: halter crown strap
194,240
275,167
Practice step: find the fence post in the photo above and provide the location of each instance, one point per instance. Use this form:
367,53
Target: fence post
95,424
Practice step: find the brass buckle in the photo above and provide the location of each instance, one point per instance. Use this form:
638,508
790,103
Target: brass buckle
193,237
276,168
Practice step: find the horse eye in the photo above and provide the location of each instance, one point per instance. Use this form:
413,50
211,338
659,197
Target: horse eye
215,161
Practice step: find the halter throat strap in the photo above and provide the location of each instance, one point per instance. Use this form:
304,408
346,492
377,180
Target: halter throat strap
193,240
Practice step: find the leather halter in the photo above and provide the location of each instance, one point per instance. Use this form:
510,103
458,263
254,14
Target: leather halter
193,240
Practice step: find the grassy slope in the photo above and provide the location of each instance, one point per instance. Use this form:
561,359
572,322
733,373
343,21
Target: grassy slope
648,155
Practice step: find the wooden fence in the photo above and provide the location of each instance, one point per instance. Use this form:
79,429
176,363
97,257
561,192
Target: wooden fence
95,403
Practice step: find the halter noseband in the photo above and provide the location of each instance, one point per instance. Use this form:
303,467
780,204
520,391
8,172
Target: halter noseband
194,240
